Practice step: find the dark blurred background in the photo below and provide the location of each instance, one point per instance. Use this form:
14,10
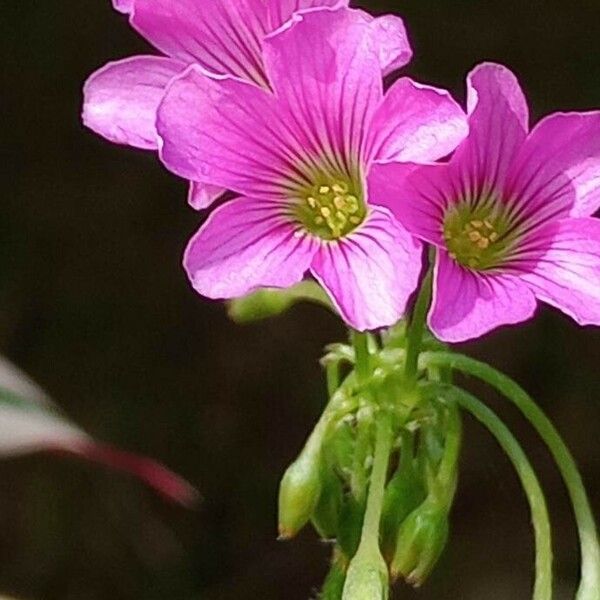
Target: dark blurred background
94,305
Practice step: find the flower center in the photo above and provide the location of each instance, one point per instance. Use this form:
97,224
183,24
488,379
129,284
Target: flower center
476,238
331,208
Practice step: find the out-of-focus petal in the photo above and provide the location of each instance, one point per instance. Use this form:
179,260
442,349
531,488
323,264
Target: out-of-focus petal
30,422
566,274
123,6
371,274
121,99
557,171
225,131
467,305
202,195
417,123
244,245
417,195
498,125
324,66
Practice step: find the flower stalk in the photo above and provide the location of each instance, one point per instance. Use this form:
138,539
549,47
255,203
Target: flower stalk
367,575
535,495
588,536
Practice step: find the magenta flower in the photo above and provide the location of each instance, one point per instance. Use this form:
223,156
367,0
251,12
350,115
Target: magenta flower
510,213
222,36
300,156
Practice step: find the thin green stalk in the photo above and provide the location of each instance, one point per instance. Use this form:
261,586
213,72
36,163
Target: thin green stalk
453,441
362,356
589,588
332,371
537,502
416,328
381,457
367,575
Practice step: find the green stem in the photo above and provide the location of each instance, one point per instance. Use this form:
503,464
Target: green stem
362,356
417,327
383,446
453,440
535,495
332,371
588,536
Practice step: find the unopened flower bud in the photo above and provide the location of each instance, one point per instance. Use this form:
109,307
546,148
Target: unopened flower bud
333,586
299,493
421,541
350,524
326,515
270,302
403,494
367,578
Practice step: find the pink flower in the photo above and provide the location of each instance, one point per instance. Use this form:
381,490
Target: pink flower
300,157
223,37
510,213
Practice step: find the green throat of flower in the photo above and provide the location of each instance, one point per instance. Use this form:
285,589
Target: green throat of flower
477,237
331,208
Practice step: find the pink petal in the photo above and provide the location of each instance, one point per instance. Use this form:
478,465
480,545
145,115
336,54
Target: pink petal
223,36
567,274
498,125
224,131
123,6
371,274
121,99
324,66
392,41
416,122
417,195
246,244
558,168
467,305
202,195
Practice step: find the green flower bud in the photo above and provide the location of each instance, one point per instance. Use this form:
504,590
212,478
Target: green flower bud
299,493
367,578
404,493
326,515
350,524
421,541
270,302
333,586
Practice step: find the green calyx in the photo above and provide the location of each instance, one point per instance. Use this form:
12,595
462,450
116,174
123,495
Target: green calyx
332,206
478,237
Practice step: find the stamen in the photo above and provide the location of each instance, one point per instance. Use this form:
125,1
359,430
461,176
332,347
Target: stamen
332,209
476,237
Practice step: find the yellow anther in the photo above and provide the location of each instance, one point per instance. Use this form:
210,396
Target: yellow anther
312,202
339,201
477,224
483,243
474,236
325,211
341,217
319,220
324,189
355,220
488,224
340,188
493,236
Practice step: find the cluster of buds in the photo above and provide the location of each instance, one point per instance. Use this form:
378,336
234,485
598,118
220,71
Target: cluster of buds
329,484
